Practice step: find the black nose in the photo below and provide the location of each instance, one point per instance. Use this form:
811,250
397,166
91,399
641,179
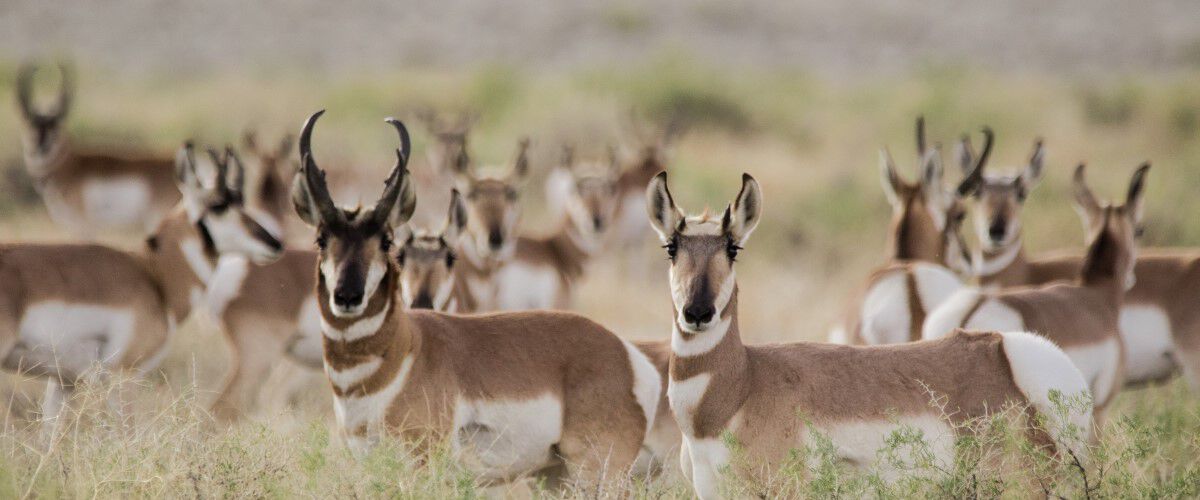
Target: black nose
345,297
997,229
696,314
495,240
423,301
598,223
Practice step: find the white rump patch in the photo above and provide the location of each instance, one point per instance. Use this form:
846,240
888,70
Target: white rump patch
995,315
935,284
1146,333
502,438
943,319
647,383
1039,367
121,201
72,337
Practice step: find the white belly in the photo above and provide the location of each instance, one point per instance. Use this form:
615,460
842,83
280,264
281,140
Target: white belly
121,201
73,337
861,442
525,286
305,347
1098,363
499,439
1146,334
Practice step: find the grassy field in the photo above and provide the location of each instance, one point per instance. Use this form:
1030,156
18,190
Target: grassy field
811,142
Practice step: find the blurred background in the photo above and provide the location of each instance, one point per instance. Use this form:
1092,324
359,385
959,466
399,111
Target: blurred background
801,94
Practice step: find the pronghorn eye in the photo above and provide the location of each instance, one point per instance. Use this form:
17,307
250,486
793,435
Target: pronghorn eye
385,244
322,240
672,247
511,194
450,258
1139,231
400,258
731,249
219,208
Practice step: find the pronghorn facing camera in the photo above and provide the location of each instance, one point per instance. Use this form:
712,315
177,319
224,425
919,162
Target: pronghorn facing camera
544,269
89,191
774,399
427,264
513,393
493,214
648,151
998,204
107,308
927,256
1081,317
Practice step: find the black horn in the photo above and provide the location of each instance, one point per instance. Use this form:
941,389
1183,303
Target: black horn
314,177
973,179
397,181
920,136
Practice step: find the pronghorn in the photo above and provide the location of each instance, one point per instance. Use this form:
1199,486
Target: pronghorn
514,393
543,270
771,400
648,154
447,155
927,256
1081,316
427,264
89,191
101,307
999,199
493,214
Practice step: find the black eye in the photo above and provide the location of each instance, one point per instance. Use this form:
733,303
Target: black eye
1139,231
400,258
511,194
219,208
385,244
672,247
322,240
450,258
731,249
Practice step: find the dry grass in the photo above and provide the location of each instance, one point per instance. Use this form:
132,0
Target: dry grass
812,144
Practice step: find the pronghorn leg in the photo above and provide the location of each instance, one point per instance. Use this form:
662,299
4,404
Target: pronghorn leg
598,452
1188,358
57,395
709,457
255,351
685,461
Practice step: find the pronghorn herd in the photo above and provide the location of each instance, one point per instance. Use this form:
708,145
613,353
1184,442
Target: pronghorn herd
450,326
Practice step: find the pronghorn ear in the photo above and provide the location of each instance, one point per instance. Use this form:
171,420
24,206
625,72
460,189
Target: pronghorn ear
890,179
931,169
406,203
188,181
1085,202
965,153
1033,171
1137,188
520,168
742,217
456,220
660,206
302,200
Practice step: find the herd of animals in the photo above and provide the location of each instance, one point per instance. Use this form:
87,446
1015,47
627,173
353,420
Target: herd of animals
448,323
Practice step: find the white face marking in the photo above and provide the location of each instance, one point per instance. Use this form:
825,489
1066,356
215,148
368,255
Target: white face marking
344,379
985,266
363,327
74,336
231,236
226,282
122,201
1039,367
370,409
1149,346
679,296
375,274
502,438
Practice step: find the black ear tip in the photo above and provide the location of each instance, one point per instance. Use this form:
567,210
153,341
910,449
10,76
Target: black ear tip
747,178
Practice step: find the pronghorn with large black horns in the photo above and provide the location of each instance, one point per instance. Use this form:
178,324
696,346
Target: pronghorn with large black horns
774,399
108,309
427,260
513,393
89,191
998,203
1080,316
927,258
493,215
545,269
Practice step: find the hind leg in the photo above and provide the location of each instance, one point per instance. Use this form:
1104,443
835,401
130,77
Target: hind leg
55,399
600,443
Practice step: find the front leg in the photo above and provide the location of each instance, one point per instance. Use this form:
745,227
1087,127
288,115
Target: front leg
53,401
709,457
